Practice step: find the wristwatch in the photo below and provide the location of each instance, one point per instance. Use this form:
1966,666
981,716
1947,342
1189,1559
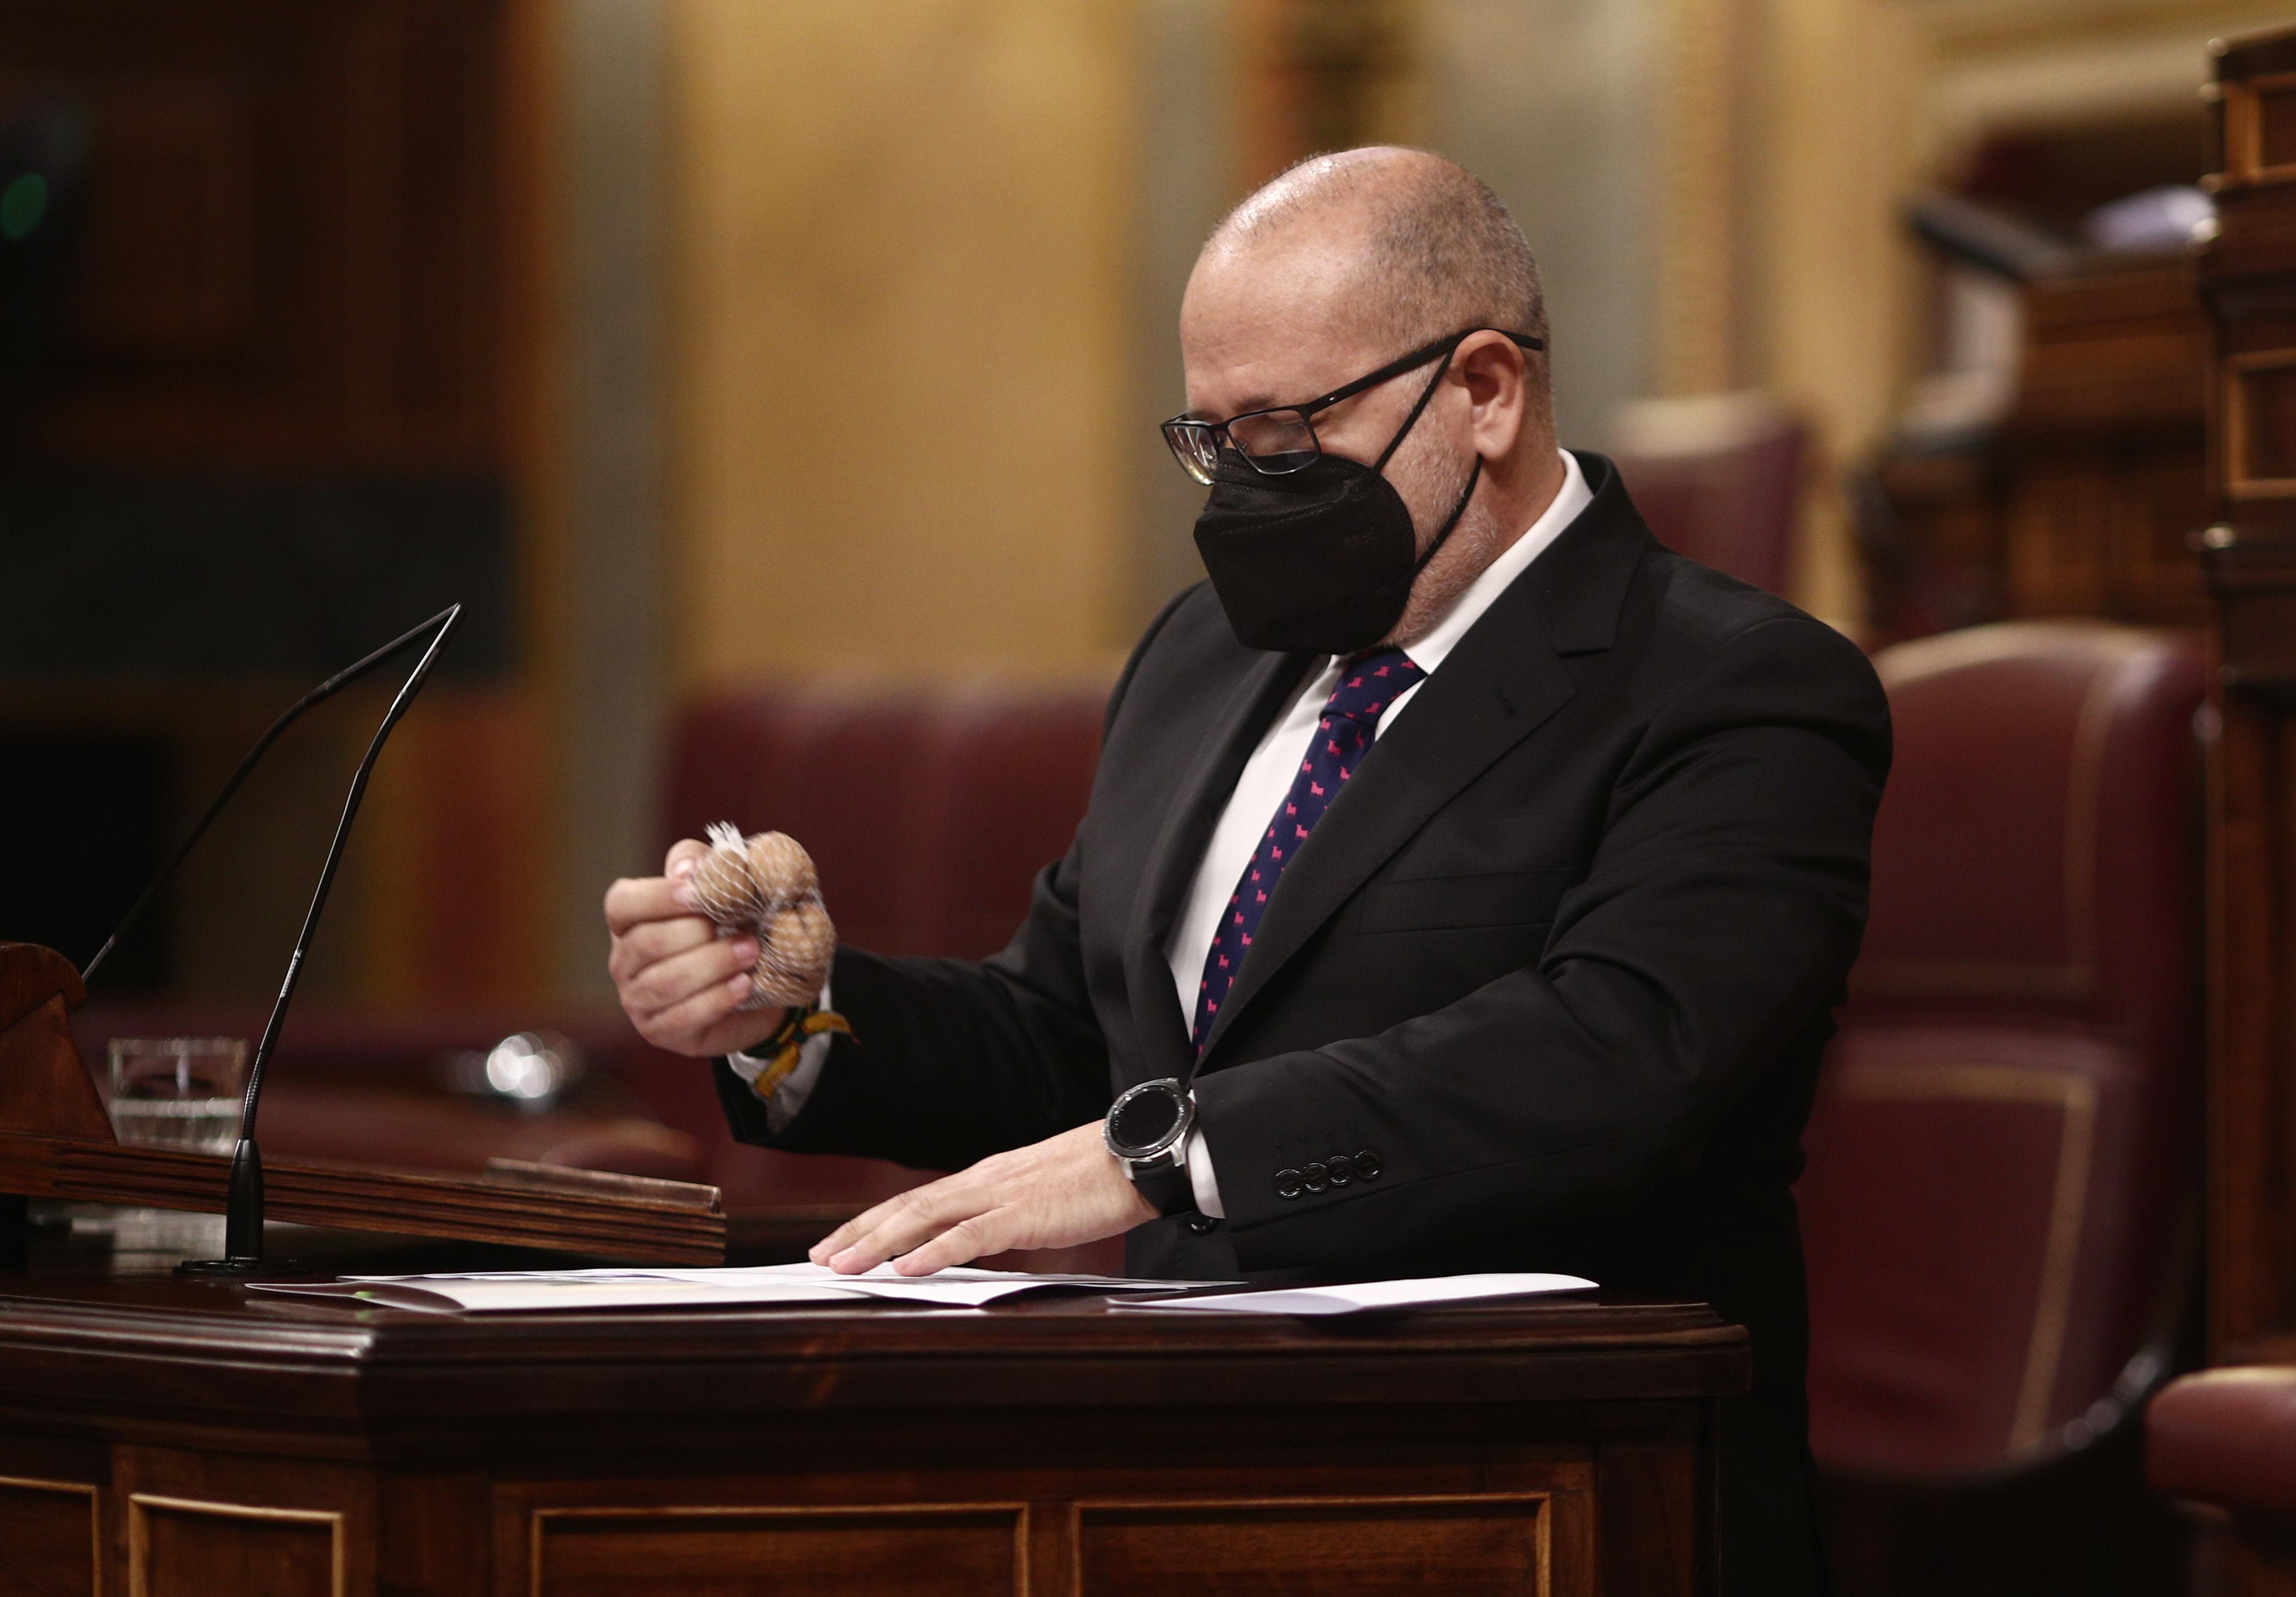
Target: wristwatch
1147,1132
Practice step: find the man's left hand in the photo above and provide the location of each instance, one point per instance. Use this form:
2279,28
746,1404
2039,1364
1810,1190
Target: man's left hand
1060,1192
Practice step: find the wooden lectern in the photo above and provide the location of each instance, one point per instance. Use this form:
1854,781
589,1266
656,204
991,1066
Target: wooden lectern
57,1141
165,1434
161,1435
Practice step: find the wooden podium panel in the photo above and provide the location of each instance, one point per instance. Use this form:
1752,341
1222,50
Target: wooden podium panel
164,1435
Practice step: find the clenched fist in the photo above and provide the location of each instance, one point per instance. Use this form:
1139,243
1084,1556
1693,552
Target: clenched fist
679,982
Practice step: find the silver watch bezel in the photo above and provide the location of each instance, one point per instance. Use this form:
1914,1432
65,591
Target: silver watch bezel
1166,1148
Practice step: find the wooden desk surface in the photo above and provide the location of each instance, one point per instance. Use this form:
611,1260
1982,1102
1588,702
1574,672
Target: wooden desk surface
91,1344
1045,1446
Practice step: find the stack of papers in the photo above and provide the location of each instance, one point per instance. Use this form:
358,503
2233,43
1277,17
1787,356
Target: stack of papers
492,1291
1365,1295
965,1287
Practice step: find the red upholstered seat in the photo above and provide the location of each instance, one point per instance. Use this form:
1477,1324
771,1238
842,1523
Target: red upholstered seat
2227,1438
1011,771
2003,1161
928,813
1718,478
837,768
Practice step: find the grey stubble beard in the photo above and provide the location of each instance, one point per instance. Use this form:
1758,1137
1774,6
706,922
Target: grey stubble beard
1429,491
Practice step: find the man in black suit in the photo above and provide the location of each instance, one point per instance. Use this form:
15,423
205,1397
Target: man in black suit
1571,837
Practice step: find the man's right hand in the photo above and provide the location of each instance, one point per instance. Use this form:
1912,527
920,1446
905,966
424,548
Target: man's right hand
678,980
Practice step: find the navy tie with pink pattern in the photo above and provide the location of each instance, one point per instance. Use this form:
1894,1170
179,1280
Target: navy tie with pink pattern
1368,686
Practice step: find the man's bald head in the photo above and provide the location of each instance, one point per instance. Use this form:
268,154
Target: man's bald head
1342,265
1430,248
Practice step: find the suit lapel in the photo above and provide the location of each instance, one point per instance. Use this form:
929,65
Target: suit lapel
1178,850
1504,680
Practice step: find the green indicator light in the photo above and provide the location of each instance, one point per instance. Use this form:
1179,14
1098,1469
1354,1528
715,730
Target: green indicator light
22,203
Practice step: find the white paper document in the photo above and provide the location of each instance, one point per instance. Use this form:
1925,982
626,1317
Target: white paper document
492,1291
479,1295
1361,1296
964,1286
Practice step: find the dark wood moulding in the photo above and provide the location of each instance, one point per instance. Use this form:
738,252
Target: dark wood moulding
56,1142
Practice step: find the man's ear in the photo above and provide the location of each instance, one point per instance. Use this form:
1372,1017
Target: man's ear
1490,367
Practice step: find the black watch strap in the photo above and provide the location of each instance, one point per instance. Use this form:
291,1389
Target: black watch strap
1166,1185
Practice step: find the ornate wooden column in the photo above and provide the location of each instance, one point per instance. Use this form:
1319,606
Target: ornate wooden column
2247,279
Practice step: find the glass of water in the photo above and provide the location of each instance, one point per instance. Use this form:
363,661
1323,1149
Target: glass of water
180,1091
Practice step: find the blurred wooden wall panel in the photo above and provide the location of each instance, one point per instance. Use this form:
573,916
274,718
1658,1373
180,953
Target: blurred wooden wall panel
301,287
901,249
453,914
1318,75
291,250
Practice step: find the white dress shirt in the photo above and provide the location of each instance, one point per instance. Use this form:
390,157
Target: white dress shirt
797,1086
1266,780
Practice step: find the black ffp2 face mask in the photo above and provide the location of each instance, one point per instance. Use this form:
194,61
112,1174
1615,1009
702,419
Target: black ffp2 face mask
1321,559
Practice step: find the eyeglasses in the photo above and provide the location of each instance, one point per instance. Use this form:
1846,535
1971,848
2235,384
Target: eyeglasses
1281,440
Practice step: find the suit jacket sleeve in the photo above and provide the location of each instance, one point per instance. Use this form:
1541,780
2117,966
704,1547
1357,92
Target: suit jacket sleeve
951,1060
1719,917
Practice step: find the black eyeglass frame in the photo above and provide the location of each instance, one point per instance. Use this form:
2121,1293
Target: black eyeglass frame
1180,426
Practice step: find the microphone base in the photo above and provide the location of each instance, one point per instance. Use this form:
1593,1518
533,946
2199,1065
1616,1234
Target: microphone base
242,1232
232,1269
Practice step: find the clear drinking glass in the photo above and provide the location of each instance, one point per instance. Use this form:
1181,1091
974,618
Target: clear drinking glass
178,1091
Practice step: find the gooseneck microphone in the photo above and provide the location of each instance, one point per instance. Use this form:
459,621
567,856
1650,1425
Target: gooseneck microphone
243,1213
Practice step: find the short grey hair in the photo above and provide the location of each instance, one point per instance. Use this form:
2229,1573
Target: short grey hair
1442,246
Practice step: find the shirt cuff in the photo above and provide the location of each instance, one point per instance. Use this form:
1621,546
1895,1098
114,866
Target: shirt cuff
785,1101
1201,1179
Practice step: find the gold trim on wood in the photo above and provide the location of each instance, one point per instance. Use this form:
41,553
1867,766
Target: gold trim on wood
2238,484
139,1545
25,1483
1543,1519
2243,131
775,1511
2076,1096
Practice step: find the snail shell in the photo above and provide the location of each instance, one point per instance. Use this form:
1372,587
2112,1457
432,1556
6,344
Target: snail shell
725,889
780,867
766,885
798,944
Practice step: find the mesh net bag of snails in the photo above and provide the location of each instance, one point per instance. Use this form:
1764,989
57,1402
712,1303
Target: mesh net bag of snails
764,886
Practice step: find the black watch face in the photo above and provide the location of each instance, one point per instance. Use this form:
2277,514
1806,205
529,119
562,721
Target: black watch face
1144,1119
